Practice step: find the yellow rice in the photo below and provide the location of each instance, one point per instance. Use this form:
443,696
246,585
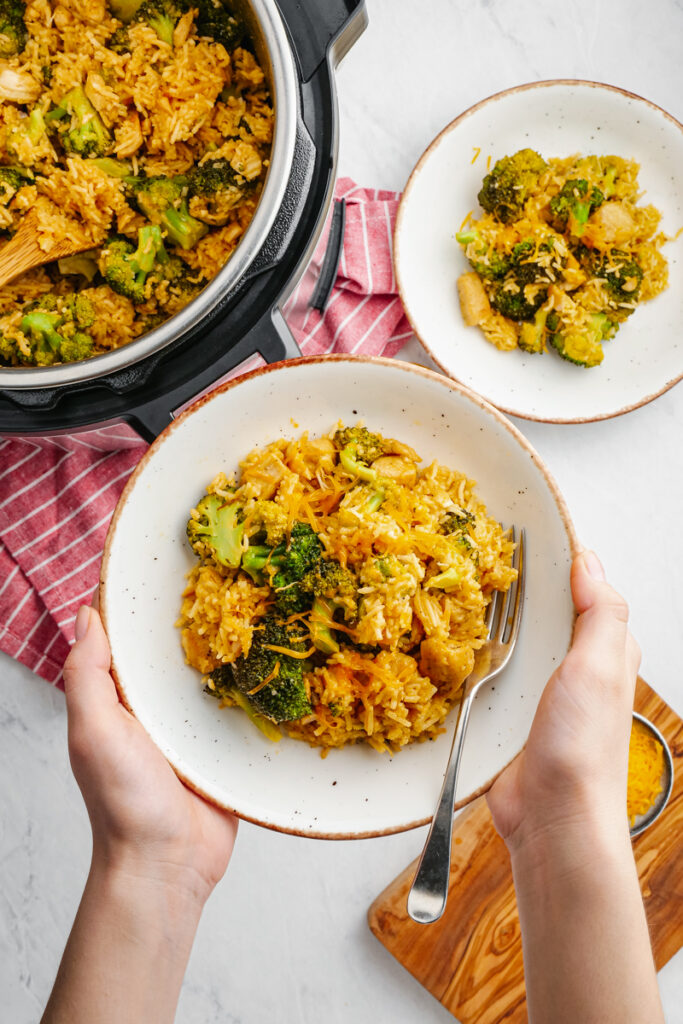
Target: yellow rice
407,646
166,108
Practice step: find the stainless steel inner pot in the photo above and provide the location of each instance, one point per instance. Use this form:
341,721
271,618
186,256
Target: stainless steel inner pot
268,33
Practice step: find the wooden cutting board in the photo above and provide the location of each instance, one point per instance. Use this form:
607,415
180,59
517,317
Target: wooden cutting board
471,959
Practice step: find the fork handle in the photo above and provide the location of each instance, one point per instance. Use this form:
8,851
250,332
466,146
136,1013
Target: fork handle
429,891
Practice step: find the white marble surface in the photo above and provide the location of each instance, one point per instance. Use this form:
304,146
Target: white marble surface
284,938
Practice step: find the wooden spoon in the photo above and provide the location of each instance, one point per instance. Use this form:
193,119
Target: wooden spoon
23,252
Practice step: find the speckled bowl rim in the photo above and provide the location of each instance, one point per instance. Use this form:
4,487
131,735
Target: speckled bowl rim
662,800
526,87
574,546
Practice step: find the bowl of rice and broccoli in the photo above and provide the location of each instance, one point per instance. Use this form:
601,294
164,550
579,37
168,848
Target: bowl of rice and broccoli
539,254
295,584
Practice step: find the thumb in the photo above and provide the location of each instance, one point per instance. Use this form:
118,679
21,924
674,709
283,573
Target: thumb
602,646
87,682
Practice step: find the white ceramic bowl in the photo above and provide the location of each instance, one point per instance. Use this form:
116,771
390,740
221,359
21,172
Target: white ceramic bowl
556,119
288,786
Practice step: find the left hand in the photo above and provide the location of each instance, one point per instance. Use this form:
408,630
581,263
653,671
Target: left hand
144,820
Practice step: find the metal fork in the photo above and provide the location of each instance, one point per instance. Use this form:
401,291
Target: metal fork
429,891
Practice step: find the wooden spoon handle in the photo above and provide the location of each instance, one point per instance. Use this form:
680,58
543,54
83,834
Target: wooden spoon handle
23,252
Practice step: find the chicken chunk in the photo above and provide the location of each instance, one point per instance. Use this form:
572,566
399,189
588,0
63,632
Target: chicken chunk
474,301
447,665
394,467
611,224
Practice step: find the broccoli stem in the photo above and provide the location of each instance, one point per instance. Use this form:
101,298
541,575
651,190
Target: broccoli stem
41,327
268,728
349,461
183,229
447,580
321,633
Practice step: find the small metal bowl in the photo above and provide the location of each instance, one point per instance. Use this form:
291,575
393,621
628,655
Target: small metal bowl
644,821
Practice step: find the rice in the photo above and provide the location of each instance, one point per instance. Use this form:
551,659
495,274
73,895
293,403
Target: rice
165,110
424,557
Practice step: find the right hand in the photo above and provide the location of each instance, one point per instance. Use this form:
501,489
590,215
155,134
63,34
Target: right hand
574,765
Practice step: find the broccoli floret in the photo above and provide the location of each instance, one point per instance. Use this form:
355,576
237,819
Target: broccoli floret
283,698
126,269
289,567
297,559
124,10
491,264
119,41
332,586
41,328
505,189
215,21
214,187
54,324
367,446
163,16
9,353
13,32
78,347
510,298
583,346
331,580
31,129
164,201
81,129
11,180
216,532
623,274
120,270
456,521
358,447
573,205
522,251
271,519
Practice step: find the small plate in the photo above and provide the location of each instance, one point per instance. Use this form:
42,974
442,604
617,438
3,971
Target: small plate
353,792
556,118
644,821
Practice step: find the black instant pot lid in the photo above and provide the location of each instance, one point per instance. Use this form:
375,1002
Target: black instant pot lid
247,321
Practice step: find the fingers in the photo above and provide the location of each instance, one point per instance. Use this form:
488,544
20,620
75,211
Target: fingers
603,613
87,682
602,644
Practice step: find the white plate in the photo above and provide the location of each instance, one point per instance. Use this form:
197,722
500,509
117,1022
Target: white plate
288,786
556,119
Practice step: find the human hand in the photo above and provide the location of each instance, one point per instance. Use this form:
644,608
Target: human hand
145,822
573,769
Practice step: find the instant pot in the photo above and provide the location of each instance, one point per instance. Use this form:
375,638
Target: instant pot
299,43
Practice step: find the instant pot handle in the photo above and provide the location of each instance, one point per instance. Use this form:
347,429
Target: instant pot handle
270,337
319,27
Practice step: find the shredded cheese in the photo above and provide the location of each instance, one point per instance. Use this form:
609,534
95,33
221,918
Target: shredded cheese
264,682
289,652
645,771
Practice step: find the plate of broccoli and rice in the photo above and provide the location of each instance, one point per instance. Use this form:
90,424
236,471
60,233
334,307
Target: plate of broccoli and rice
539,253
141,130
295,581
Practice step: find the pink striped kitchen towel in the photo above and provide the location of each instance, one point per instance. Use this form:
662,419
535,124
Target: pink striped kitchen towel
57,494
